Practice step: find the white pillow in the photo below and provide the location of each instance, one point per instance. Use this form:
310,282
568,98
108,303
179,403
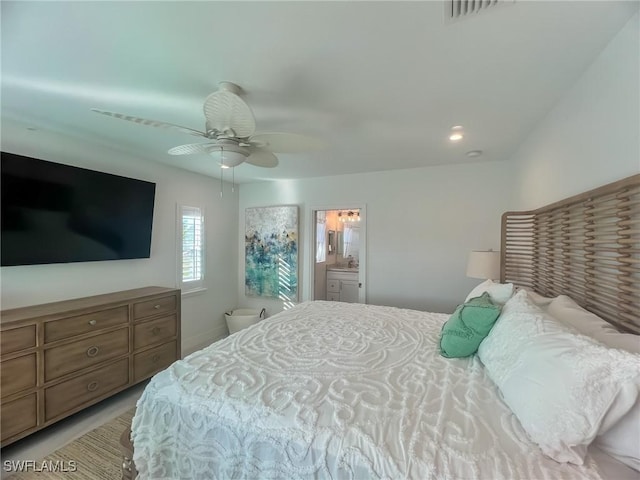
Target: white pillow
570,313
563,387
499,292
622,441
539,300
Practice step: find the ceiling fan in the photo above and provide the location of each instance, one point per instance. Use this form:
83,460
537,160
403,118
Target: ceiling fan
230,128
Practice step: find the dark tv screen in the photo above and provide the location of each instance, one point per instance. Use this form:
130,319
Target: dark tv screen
54,213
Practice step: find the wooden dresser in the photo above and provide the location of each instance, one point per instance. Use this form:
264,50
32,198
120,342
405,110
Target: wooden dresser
58,358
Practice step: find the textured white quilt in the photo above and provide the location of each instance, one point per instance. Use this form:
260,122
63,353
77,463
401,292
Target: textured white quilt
333,390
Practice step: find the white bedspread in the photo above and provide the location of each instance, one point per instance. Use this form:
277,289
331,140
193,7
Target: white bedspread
339,391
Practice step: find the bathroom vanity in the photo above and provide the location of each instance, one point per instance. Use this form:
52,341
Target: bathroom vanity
343,284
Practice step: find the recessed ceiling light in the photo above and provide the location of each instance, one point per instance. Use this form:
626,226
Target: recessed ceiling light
474,153
456,133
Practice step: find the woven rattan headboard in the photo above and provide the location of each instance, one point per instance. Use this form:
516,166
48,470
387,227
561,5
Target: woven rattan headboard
587,247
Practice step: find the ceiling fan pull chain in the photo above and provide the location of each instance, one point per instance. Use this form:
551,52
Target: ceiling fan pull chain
233,179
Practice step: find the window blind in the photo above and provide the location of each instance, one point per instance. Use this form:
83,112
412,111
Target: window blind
192,245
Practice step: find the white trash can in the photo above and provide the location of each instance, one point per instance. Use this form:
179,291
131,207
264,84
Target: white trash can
242,318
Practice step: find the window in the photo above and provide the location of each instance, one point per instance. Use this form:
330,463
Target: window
191,260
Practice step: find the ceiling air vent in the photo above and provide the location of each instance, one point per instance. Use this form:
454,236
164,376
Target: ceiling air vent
459,9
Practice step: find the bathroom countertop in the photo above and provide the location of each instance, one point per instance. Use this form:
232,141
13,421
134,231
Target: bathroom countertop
343,269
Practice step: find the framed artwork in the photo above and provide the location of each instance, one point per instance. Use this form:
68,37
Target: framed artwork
271,252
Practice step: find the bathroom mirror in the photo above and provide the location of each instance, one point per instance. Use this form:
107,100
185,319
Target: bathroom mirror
331,242
350,241
340,246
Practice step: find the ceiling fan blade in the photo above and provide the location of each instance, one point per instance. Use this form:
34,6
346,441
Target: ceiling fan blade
190,149
225,111
262,158
151,123
286,142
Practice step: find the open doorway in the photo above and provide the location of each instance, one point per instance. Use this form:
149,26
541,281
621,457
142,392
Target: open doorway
338,254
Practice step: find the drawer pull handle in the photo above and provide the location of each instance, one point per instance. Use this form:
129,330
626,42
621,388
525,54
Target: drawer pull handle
92,386
156,306
155,331
92,322
155,358
92,351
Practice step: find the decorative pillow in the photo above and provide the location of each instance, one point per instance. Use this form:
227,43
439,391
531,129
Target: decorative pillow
499,292
470,323
622,440
562,386
566,310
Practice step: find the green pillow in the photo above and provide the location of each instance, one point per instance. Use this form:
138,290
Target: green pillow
462,334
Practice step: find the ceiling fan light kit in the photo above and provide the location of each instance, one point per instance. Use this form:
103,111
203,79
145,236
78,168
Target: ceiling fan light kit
230,128
228,158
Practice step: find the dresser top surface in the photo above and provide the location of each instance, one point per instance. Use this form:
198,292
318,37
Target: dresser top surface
79,304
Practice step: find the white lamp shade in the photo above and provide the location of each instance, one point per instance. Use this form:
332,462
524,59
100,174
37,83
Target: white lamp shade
484,264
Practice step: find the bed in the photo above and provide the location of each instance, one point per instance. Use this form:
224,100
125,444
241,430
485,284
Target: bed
351,391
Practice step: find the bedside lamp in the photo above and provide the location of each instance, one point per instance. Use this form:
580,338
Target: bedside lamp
484,264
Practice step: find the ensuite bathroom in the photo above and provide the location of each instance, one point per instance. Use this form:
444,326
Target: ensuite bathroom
337,255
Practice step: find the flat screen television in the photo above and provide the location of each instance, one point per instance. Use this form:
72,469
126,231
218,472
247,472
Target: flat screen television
54,213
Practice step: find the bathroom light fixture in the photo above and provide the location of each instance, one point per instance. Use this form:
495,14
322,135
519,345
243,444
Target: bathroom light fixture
484,264
349,216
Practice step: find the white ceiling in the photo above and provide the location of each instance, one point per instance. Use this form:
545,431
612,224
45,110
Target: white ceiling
380,82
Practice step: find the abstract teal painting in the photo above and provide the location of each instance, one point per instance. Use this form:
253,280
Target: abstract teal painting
271,252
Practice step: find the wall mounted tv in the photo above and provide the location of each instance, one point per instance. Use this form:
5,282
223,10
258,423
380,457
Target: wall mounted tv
54,213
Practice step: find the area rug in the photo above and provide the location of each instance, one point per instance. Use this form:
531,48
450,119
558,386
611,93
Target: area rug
94,456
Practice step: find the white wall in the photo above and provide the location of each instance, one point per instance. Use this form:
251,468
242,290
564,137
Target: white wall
592,136
420,226
202,314
422,223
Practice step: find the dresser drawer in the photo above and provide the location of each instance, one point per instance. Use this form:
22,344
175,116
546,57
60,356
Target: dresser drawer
18,374
19,415
333,297
154,307
152,361
17,339
155,331
91,322
84,353
77,391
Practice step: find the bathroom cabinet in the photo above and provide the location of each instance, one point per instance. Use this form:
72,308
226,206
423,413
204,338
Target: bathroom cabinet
343,285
